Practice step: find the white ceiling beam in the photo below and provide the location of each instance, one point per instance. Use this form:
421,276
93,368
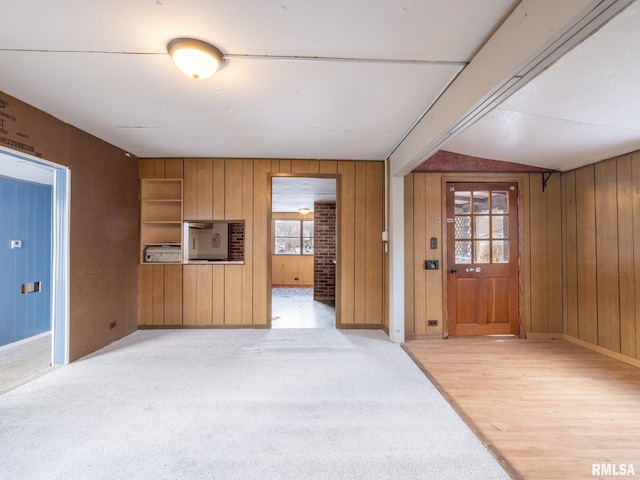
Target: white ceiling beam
531,39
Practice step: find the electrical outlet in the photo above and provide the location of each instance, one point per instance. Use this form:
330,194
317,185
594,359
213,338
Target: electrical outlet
432,323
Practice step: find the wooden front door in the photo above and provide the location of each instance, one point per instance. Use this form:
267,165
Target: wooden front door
482,258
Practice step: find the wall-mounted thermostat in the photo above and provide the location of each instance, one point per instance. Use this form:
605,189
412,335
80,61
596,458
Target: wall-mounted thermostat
16,244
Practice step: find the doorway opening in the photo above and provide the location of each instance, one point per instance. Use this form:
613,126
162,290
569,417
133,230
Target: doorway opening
55,183
304,251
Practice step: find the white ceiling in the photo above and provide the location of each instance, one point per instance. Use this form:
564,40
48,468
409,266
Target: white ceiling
289,194
318,79
103,67
583,109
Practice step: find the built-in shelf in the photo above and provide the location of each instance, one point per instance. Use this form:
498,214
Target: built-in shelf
161,220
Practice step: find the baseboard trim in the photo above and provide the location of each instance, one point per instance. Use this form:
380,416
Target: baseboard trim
200,327
422,336
360,326
25,340
545,336
609,353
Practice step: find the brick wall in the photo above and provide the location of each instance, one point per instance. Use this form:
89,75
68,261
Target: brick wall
236,242
324,251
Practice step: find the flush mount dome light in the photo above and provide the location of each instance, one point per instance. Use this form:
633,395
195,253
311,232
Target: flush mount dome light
195,58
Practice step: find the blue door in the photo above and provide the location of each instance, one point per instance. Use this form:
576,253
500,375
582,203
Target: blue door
25,259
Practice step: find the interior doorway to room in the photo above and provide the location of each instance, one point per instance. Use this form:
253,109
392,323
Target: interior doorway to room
482,258
40,283
303,252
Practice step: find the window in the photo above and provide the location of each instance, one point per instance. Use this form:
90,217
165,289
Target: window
482,226
293,237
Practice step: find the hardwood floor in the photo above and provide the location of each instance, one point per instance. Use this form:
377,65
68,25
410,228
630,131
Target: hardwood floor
546,408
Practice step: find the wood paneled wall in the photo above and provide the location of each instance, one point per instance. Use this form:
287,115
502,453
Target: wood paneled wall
423,288
540,238
238,295
601,207
292,270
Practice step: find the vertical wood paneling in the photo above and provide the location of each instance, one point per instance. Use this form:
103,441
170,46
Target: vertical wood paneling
635,173
570,303
553,249
360,233
373,243
204,293
190,295
538,271
425,221
145,295
419,245
314,166
158,168
236,189
173,294
233,289
524,233
433,229
218,295
233,211
608,294
328,166
233,189
625,256
409,255
157,313
145,168
607,222
219,189
299,166
285,166
286,268
173,168
205,180
190,190
247,214
586,255
261,241
347,242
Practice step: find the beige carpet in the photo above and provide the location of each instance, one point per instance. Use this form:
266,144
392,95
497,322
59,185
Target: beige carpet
239,404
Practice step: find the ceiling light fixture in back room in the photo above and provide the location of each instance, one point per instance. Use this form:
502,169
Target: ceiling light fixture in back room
195,58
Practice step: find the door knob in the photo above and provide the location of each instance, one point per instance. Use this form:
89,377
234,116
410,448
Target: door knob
453,270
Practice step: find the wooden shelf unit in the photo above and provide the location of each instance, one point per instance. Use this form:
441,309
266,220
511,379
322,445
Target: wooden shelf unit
160,214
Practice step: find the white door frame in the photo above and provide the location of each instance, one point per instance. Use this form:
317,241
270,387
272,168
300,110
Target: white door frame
61,192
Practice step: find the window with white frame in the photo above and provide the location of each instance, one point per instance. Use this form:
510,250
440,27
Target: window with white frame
293,237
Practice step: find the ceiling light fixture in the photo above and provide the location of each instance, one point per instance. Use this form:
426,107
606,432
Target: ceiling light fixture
195,58
303,210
